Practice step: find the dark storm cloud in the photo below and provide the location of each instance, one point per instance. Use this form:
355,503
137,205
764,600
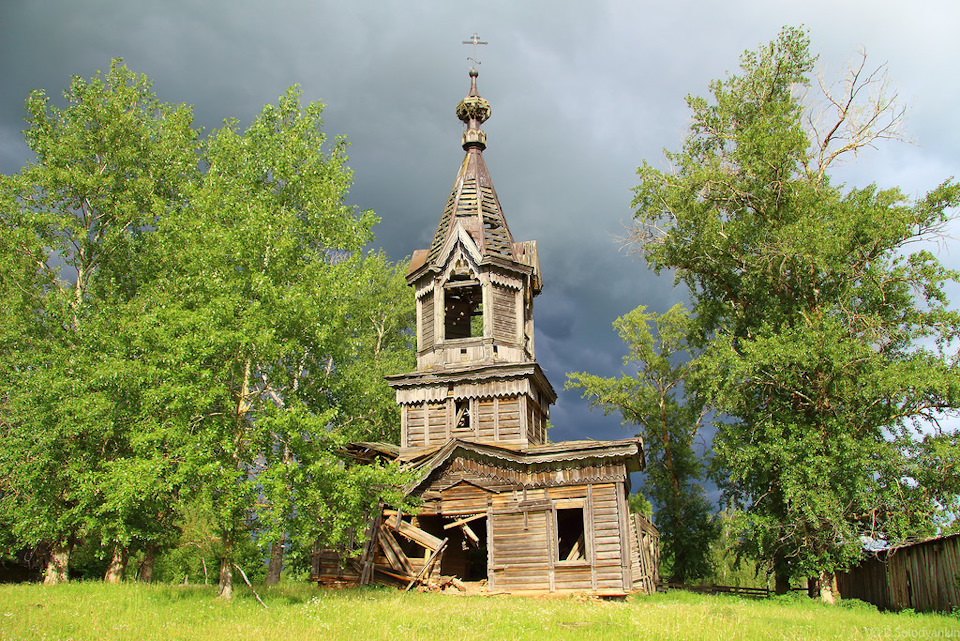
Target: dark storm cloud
581,94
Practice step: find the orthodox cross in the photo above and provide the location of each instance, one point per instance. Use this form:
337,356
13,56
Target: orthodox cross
474,40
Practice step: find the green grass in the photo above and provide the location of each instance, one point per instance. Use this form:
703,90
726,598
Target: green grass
139,611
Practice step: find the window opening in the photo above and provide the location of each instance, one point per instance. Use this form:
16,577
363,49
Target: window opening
571,539
462,420
463,309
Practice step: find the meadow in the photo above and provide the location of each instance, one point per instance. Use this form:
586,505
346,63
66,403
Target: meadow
94,610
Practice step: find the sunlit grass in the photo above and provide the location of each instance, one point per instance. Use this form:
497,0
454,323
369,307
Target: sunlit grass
139,611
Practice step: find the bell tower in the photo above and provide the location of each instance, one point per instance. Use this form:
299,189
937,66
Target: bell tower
477,378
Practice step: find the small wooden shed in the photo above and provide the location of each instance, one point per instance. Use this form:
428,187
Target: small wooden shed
922,576
500,503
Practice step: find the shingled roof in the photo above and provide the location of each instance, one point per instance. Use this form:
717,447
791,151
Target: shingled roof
473,202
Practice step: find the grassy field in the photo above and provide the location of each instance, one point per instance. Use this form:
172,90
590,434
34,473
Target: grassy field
297,611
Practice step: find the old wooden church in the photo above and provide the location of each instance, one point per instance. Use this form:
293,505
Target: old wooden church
501,503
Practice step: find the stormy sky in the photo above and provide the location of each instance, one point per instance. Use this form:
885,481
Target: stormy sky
582,93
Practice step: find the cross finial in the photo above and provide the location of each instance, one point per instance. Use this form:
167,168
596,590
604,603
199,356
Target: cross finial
474,40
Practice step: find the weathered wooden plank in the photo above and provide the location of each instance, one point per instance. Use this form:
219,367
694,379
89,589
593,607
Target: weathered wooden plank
524,564
537,546
471,535
414,533
369,546
569,492
426,566
624,537
466,519
393,552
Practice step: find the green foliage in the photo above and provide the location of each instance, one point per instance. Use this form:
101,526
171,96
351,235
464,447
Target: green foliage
194,330
654,399
824,339
731,566
108,166
376,319
639,504
269,312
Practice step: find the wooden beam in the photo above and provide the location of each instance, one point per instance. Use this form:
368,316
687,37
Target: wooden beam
415,534
576,552
471,535
465,519
394,553
369,546
426,566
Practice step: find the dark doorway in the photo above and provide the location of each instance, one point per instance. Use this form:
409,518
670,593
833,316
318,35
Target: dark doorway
477,561
466,554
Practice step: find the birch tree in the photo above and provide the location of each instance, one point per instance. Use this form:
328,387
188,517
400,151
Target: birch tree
258,267
108,165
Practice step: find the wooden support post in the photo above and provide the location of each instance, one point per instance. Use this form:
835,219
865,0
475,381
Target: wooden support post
370,546
591,537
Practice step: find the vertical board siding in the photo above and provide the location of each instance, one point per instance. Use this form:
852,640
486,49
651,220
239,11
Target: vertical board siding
504,314
867,582
644,553
922,576
426,321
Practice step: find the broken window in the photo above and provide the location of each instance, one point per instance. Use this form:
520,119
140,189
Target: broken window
463,309
462,419
571,535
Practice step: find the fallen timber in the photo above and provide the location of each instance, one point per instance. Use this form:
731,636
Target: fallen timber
383,559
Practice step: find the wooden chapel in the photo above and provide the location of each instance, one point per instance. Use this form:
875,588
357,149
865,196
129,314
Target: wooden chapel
500,503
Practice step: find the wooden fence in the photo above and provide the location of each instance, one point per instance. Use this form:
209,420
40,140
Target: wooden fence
759,593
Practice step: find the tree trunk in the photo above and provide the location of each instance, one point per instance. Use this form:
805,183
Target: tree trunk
149,561
58,566
781,575
225,587
781,583
118,565
827,584
276,562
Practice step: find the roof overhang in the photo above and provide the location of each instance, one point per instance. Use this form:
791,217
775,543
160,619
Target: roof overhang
567,454
473,373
